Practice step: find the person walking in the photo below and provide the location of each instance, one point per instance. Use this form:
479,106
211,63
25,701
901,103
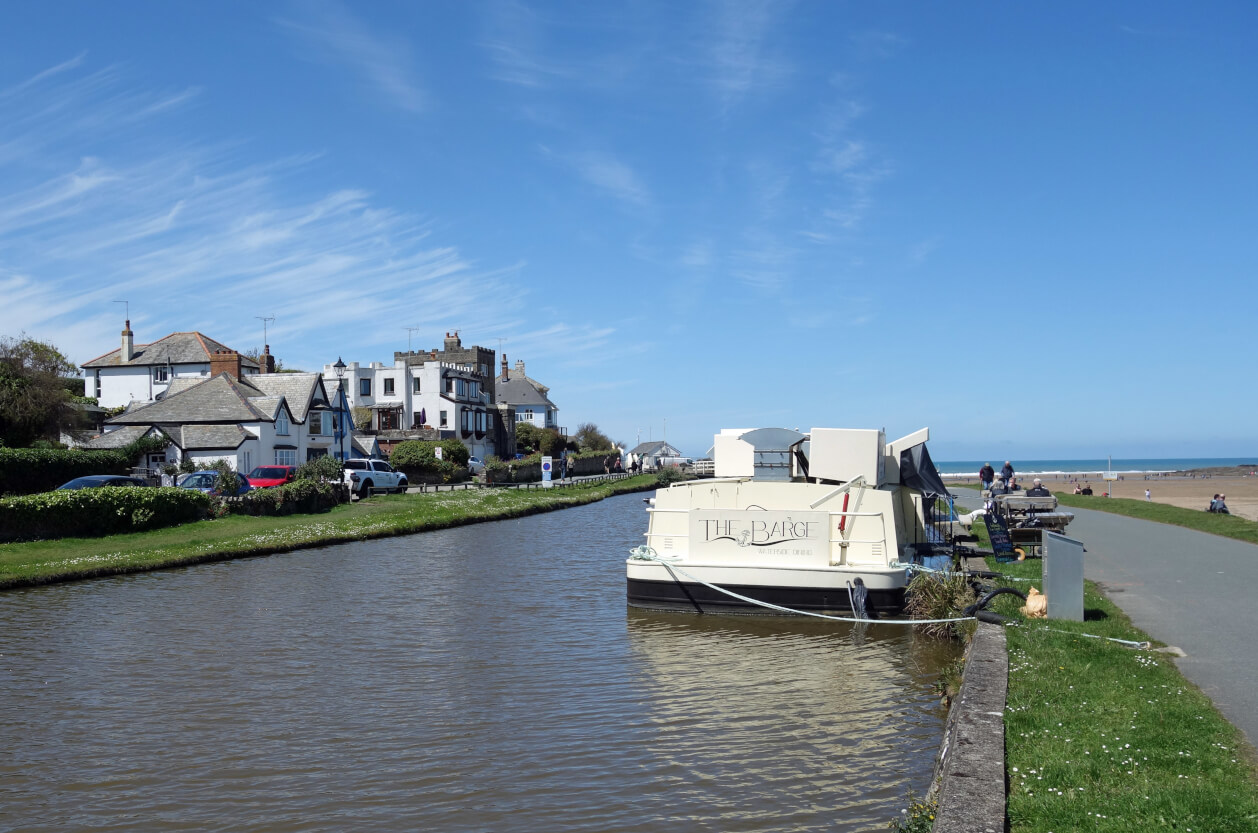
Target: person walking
1006,473
986,475
1148,495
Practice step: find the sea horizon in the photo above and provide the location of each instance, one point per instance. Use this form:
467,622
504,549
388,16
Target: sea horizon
1131,465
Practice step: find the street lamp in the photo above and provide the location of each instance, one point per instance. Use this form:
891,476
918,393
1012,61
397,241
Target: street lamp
339,367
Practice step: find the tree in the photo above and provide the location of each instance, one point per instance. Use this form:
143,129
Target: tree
589,438
527,437
34,402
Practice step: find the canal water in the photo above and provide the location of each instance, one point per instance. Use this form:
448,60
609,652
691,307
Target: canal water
486,678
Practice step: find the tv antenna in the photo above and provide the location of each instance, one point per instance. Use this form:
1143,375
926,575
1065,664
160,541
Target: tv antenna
265,319
128,306
410,330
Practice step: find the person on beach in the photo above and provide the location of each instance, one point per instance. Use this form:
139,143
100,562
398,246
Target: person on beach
1148,495
986,475
1087,489
1006,473
1078,488
1038,490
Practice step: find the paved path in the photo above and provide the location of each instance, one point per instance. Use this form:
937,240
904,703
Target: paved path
1195,591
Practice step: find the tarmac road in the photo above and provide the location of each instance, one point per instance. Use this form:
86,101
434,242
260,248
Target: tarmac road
1188,589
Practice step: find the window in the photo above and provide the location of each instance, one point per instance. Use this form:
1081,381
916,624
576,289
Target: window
463,423
281,423
445,419
475,390
246,460
161,374
449,385
415,384
98,386
364,387
388,386
315,453
285,456
316,422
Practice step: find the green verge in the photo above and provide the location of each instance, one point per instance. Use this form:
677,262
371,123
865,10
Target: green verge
1101,736
1229,526
236,536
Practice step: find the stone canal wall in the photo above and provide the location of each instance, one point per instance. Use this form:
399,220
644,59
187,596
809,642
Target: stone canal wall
970,771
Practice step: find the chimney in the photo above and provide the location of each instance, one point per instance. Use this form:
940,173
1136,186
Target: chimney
268,361
225,361
504,367
128,343
519,367
452,342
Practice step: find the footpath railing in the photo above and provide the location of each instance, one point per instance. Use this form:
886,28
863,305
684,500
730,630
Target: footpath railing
476,484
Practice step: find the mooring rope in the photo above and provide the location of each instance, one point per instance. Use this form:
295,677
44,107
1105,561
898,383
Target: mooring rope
646,553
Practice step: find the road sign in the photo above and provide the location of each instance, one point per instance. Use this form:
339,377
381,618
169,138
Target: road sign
547,465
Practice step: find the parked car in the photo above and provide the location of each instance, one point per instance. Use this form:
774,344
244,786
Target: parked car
263,477
207,481
94,481
475,465
366,477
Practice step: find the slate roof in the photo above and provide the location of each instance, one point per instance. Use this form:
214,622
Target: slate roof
297,388
201,437
521,391
659,448
118,438
176,348
219,399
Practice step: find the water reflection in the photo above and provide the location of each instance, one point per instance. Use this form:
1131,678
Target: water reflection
483,678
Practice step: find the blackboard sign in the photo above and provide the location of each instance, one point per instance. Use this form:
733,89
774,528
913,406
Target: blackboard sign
1002,544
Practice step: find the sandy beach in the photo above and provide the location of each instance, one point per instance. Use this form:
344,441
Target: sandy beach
1191,490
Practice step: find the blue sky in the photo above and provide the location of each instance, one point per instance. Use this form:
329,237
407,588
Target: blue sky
1031,228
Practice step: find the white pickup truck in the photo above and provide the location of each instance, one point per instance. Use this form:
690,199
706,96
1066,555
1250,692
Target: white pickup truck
365,477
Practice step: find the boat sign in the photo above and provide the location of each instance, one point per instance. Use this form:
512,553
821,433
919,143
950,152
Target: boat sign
759,534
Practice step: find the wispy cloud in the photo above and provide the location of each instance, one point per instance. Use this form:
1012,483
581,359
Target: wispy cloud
739,59
337,37
199,237
605,172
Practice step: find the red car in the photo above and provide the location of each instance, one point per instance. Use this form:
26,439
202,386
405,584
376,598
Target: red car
264,476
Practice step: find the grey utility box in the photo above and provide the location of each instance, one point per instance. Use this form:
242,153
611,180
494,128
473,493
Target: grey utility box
1063,576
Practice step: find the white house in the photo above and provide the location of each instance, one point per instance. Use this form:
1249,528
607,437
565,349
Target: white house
263,419
434,394
144,373
528,397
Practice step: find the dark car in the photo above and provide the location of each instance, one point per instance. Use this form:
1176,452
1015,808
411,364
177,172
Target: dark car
265,476
207,481
94,481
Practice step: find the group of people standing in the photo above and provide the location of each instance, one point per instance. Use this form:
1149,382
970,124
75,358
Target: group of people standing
1008,479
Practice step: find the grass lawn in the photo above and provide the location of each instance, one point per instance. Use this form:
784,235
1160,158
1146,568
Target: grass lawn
1229,526
40,562
1101,736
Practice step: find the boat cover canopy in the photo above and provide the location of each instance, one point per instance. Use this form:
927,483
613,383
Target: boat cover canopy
917,471
772,451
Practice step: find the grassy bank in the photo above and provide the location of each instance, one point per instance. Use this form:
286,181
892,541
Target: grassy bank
42,562
1229,526
1101,736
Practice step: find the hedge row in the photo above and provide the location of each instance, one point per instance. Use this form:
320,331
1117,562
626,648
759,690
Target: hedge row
88,513
25,471
298,497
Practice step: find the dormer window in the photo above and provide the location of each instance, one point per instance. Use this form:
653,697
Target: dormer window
161,374
281,423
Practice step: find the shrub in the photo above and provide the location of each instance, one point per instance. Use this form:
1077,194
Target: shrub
934,596
300,497
25,471
85,513
418,458
321,469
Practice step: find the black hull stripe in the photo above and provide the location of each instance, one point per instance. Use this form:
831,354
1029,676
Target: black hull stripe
698,598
